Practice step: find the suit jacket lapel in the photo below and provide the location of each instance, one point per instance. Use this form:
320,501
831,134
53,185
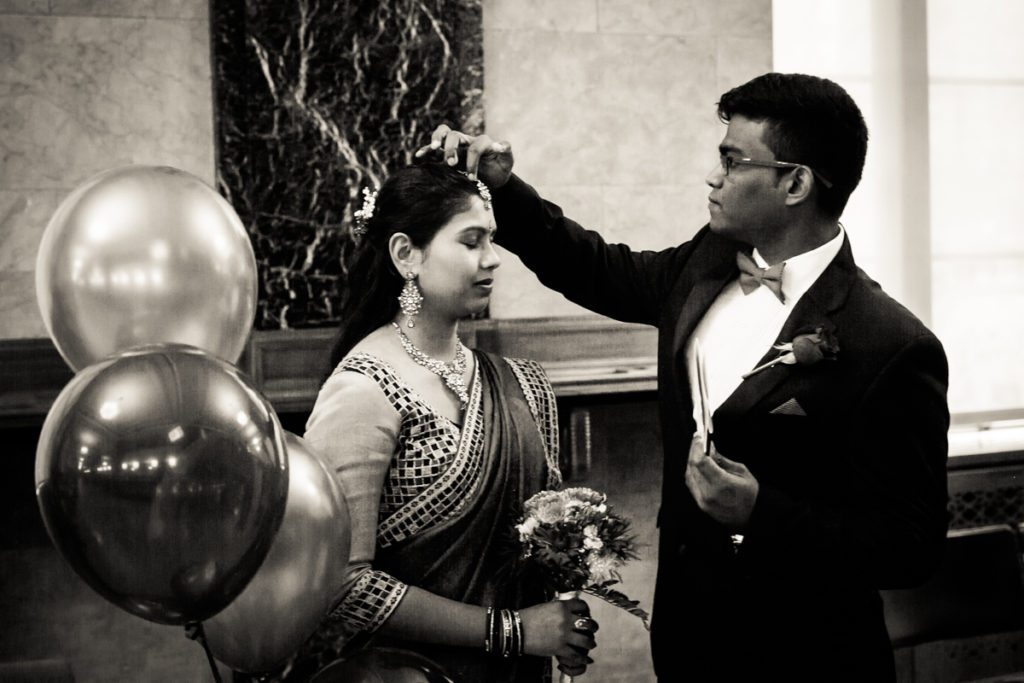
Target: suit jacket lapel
705,290
815,307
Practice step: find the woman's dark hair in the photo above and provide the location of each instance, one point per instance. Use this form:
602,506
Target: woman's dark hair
810,121
416,200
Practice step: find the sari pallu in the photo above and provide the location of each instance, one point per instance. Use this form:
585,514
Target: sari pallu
468,557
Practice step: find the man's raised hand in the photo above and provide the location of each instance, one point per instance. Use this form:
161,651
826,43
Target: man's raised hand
486,158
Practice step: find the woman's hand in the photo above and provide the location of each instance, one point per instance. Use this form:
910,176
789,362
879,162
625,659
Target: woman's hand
486,158
562,629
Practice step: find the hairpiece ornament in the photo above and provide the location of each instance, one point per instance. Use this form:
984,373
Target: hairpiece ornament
485,192
364,214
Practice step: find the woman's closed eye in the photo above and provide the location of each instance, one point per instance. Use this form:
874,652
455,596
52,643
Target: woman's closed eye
475,238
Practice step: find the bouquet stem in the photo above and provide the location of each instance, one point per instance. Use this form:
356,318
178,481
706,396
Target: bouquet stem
566,595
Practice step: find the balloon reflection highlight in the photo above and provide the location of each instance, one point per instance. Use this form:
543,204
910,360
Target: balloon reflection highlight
298,582
141,255
161,474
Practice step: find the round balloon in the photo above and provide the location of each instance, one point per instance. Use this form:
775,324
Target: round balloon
299,580
141,255
161,475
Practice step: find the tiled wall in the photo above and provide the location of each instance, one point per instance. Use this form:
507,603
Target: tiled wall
86,86
609,105
610,109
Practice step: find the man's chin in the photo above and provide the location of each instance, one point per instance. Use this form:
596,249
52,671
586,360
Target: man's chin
718,226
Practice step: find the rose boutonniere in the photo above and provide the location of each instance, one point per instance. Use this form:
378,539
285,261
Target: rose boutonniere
805,349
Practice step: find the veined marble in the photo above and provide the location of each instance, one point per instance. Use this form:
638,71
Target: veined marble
314,101
86,85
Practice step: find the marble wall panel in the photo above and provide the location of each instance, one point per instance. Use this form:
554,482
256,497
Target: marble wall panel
742,18
76,102
19,315
739,59
612,109
622,115
584,89
315,102
86,86
24,6
658,17
547,15
150,9
23,217
653,216
517,292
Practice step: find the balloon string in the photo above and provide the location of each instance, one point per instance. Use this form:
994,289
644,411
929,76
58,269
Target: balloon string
194,630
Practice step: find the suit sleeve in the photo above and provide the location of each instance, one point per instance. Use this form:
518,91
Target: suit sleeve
887,523
610,279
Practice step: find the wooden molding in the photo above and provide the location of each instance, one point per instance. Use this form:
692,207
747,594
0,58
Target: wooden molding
32,373
583,356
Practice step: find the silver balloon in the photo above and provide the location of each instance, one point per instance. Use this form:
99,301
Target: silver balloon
162,474
299,580
141,255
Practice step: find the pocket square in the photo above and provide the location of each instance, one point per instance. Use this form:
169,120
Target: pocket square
790,407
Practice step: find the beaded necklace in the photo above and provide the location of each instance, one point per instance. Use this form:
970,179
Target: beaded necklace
451,372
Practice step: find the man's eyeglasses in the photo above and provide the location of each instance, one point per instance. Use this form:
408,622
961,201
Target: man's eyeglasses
729,162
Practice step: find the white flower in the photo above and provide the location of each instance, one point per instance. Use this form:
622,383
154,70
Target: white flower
585,495
550,511
591,540
527,528
602,567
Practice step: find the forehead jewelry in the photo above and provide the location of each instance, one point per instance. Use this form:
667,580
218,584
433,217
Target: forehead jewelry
485,192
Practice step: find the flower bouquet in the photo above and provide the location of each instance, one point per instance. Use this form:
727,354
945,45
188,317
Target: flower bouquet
578,544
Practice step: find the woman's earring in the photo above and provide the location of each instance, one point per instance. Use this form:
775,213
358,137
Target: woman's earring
410,300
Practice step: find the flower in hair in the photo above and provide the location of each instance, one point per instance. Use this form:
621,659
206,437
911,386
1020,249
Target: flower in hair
364,214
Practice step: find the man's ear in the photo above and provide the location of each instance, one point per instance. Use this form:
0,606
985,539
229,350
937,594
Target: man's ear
405,256
799,183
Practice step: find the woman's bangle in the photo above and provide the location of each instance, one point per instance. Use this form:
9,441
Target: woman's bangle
489,636
506,632
518,622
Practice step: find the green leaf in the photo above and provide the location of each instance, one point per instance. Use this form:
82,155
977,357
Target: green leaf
620,600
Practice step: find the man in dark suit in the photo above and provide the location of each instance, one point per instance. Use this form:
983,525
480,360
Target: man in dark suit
825,476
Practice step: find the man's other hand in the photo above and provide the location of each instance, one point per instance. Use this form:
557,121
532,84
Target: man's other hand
723,488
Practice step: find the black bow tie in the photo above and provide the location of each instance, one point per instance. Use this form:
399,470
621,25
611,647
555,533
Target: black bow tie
752,276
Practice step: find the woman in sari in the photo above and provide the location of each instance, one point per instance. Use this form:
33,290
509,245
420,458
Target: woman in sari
437,447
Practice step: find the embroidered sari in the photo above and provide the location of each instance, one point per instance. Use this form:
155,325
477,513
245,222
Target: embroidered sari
447,509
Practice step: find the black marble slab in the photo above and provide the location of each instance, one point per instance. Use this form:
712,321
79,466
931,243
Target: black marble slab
313,101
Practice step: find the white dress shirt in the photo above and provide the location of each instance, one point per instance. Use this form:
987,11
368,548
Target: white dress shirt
738,329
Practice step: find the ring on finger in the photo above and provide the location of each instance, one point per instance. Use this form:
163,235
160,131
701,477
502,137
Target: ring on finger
582,624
